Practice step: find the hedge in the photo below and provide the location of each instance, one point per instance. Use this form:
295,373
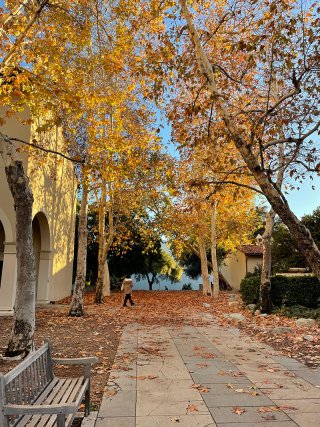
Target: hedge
285,291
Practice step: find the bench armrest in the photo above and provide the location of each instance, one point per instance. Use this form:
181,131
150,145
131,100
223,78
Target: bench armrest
55,408
76,361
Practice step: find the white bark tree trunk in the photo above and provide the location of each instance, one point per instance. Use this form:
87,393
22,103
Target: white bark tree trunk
77,302
102,244
276,199
265,285
106,292
214,260
21,340
206,286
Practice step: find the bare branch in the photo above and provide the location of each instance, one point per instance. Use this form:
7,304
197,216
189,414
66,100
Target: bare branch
280,101
225,73
291,139
38,147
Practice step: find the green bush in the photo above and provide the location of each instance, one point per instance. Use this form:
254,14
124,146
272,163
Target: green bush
187,287
299,311
249,289
285,291
291,291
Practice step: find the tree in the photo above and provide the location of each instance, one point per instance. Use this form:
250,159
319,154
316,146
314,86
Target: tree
22,334
285,251
156,264
258,138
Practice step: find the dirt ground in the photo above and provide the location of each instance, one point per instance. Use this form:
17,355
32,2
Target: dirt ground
99,331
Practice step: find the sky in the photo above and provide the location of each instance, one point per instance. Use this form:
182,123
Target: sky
302,202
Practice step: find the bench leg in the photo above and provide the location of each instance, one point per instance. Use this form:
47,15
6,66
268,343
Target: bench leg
87,403
61,420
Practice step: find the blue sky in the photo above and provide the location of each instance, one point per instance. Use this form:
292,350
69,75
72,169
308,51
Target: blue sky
303,201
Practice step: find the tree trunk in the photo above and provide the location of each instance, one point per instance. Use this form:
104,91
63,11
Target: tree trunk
106,280
265,284
21,340
77,303
274,196
106,291
150,281
215,270
102,244
206,286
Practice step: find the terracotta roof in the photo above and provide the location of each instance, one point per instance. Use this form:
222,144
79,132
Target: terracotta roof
253,250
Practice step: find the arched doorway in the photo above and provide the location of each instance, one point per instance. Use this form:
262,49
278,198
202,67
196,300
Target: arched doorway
42,252
8,264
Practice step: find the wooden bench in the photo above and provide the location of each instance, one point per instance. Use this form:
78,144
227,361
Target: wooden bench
31,395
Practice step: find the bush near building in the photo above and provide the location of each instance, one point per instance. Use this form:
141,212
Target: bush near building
285,291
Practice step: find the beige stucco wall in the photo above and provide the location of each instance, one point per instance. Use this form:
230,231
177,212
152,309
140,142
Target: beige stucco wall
234,269
53,183
237,265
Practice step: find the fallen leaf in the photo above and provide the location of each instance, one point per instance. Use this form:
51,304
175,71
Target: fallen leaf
175,420
268,409
192,408
283,407
204,390
152,377
237,410
196,385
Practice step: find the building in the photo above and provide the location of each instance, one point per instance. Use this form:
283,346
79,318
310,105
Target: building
244,260
54,185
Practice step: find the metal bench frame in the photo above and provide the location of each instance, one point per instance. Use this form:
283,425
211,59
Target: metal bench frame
31,394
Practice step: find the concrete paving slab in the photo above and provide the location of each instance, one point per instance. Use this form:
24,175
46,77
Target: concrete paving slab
312,376
263,424
240,395
122,404
288,363
299,389
252,415
299,406
181,420
158,407
116,422
306,420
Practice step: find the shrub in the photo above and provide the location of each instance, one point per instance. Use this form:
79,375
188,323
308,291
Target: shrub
187,287
249,289
299,311
285,291
291,291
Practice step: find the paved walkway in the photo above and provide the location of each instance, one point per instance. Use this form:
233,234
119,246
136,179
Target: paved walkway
205,377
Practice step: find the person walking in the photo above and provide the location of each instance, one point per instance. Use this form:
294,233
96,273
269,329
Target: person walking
127,286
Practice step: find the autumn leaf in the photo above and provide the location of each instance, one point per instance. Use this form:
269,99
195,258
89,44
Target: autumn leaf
204,389
175,420
284,407
237,410
196,385
264,409
192,408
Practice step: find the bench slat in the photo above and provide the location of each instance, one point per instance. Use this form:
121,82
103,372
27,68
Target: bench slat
38,401
51,398
68,397
26,362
